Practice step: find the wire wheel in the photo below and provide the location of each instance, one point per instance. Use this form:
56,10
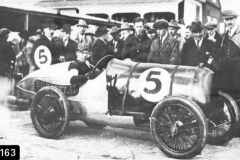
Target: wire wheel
179,128
50,112
223,119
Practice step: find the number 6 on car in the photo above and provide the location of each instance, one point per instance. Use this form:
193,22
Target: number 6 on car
42,56
154,84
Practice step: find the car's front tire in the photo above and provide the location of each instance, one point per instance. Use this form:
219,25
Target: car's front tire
178,127
50,112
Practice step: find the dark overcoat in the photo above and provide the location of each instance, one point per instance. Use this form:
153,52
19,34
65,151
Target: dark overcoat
99,50
69,51
119,47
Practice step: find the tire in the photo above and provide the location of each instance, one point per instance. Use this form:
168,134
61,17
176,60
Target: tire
223,119
50,112
94,125
178,127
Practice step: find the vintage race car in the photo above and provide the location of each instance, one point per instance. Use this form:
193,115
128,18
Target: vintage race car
174,102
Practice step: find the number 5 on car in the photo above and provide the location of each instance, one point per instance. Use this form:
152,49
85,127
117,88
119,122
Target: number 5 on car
42,56
154,84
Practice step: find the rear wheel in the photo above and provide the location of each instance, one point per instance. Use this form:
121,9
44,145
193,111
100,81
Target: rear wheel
50,112
178,127
223,119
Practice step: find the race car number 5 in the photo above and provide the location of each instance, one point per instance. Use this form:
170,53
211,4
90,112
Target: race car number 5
42,56
154,84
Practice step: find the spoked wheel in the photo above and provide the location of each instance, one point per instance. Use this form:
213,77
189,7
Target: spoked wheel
178,127
223,119
94,125
50,112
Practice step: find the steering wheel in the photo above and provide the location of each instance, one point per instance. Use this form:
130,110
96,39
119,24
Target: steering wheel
105,59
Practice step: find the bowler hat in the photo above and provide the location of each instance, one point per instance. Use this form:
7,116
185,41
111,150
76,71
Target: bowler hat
125,26
24,34
173,24
83,47
210,24
82,23
101,30
49,23
229,14
66,28
160,24
4,31
114,30
89,31
196,26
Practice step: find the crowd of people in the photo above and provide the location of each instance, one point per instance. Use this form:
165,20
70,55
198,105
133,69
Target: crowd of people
160,44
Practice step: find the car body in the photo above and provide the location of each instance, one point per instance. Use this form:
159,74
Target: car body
169,100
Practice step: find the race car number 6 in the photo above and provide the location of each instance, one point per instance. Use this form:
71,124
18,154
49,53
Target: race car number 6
154,84
42,56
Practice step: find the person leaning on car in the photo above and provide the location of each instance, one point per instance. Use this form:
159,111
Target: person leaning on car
164,49
80,68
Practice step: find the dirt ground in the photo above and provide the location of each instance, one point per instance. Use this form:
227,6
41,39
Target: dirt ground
82,142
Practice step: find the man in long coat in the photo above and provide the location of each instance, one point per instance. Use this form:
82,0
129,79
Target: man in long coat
164,49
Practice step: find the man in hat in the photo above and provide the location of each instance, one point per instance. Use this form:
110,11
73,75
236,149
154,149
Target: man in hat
47,39
152,33
81,29
230,56
164,49
127,37
7,54
197,50
115,45
173,28
212,33
69,45
100,48
90,36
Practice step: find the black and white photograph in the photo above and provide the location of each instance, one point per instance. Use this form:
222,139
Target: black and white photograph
119,79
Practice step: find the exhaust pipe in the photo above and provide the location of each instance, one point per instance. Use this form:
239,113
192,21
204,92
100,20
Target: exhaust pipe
17,101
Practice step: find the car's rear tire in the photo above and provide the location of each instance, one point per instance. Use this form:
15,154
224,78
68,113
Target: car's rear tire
50,112
223,119
94,125
178,127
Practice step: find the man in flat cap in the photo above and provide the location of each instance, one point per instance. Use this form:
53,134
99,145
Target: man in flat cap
212,33
69,45
7,54
173,28
115,45
196,50
164,49
229,68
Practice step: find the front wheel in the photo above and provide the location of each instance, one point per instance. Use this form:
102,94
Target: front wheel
50,112
223,119
178,127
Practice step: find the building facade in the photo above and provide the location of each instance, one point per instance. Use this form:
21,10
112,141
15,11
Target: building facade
150,10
